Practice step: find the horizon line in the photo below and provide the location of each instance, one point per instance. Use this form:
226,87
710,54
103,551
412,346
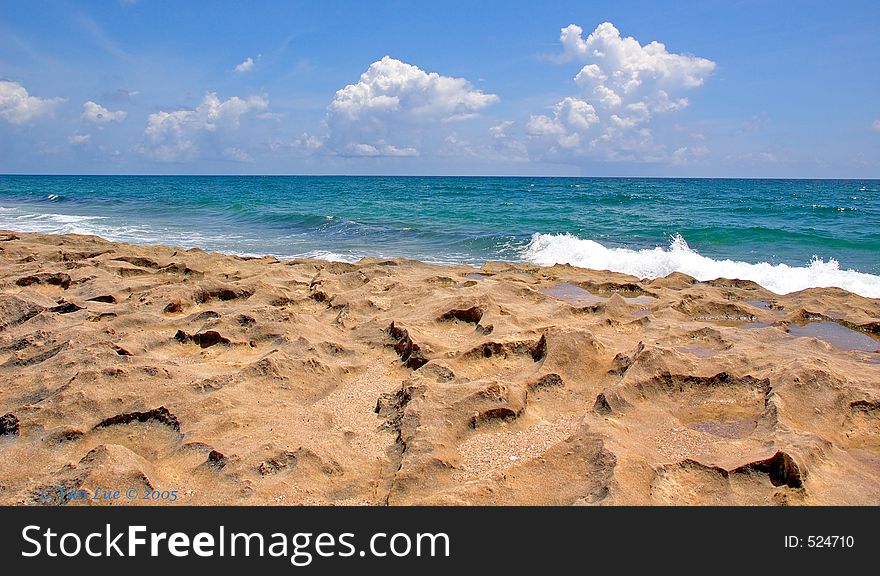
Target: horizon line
546,176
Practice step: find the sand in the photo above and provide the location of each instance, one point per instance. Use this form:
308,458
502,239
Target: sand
258,381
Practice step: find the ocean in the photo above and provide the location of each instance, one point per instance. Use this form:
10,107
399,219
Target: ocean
786,235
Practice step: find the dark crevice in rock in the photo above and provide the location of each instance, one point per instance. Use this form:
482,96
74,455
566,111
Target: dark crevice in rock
537,350
9,425
182,269
217,459
17,345
161,415
64,435
493,414
78,256
223,294
137,261
245,320
37,358
410,352
780,468
19,313
866,406
53,279
391,407
808,316
65,308
489,349
204,339
622,362
287,459
680,382
546,381
105,298
601,406
273,465
485,330
319,296
470,315
869,327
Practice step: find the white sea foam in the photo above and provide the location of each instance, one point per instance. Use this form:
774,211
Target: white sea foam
549,249
67,218
328,255
51,223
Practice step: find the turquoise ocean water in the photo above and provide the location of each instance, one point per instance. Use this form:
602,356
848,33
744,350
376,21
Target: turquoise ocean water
784,234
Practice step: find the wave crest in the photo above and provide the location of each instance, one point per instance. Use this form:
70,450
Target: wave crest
549,249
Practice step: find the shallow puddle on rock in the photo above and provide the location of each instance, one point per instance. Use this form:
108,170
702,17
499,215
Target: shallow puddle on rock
642,313
580,297
698,351
475,276
766,305
640,300
732,322
726,429
836,335
574,295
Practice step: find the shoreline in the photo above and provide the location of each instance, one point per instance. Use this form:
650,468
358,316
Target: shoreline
810,235
255,380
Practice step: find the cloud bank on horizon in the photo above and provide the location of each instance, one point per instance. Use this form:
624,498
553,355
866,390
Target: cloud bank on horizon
601,99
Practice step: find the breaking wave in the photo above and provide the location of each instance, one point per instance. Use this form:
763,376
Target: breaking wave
549,249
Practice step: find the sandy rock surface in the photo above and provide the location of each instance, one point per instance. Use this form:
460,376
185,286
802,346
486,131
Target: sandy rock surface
259,381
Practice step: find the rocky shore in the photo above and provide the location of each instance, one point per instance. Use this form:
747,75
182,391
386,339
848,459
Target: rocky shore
230,380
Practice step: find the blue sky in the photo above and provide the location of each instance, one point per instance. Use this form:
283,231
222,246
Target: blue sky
751,88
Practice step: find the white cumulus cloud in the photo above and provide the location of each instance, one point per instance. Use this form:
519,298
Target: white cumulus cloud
247,65
571,117
173,136
387,112
624,85
19,107
876,125
94,112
